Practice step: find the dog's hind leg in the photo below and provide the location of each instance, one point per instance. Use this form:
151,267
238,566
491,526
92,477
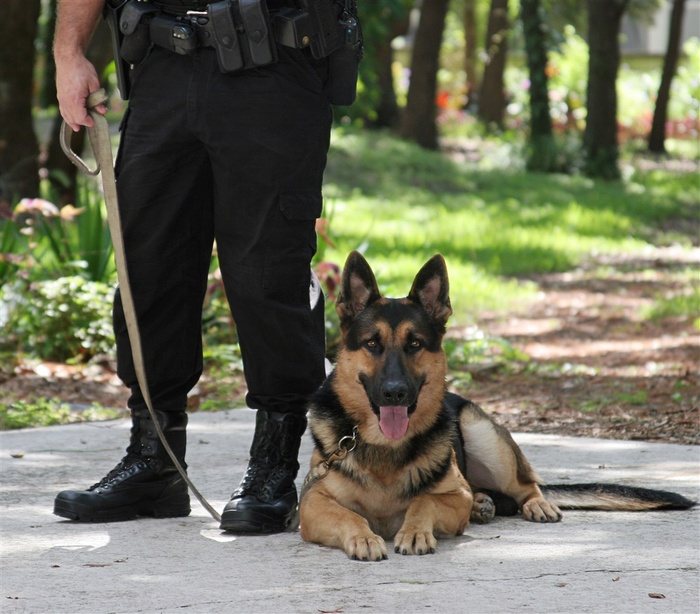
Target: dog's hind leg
495,462
484,509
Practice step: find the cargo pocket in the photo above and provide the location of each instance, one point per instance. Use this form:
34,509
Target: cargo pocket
306,204
291,245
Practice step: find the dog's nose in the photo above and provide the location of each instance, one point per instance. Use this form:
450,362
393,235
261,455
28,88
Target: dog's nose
394,393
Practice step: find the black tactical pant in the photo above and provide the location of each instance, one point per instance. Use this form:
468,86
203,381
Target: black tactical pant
237,158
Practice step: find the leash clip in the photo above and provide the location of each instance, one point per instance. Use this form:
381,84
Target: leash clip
346,445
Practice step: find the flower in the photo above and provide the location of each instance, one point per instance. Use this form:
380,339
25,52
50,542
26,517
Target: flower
36,205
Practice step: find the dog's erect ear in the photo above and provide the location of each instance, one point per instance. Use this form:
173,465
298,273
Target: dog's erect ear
431,289
358,288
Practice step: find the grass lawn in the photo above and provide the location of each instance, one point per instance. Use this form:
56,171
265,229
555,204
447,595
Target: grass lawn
495,224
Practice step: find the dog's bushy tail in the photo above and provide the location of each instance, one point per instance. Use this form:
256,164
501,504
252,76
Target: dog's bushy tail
617,497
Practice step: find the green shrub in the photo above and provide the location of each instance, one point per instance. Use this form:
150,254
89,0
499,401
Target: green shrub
64,319
41,412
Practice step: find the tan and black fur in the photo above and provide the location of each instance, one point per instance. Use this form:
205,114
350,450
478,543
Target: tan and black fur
422,459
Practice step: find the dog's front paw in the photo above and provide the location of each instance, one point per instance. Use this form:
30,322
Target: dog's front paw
483,510
414,542
366,548
541,510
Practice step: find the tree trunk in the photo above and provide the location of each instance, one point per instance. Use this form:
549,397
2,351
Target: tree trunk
492,95
418,122
470,62
387,108
19,151
600,136
657,135
47,87
542,154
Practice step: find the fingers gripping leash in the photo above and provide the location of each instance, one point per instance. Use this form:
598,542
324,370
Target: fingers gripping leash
102,149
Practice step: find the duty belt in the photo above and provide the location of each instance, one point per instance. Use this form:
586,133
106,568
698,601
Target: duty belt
174,7
243,33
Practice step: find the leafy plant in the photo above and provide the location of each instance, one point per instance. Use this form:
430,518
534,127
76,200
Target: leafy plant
40,412
64,319
328,274
48,412
682,305
479,347
223,379
42,241
217,324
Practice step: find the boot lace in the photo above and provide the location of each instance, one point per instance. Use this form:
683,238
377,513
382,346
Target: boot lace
127,466
267,468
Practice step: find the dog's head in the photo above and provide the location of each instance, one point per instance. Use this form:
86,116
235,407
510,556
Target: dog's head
390,372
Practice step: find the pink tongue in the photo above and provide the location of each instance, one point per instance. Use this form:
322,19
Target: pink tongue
393,421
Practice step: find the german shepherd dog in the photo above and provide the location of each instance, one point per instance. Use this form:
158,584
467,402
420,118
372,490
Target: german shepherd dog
398,456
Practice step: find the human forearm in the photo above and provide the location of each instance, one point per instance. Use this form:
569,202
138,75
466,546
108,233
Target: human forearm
75,23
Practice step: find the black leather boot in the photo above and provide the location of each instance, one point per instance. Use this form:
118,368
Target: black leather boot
144,483
266,499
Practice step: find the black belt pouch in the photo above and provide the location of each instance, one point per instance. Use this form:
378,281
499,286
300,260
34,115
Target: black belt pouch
226,43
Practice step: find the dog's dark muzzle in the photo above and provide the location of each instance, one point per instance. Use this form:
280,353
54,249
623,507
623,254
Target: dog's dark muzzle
392,386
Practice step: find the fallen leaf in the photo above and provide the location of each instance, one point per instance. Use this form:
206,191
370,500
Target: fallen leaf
657,596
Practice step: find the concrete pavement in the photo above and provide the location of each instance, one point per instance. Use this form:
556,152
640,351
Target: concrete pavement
591,562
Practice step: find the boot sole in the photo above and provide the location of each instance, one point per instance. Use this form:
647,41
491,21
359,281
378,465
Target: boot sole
254,523
157,509
241,526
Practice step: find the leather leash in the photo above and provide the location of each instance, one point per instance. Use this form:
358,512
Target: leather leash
102,149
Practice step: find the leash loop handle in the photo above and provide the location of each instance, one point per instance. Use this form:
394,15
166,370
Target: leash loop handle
98,97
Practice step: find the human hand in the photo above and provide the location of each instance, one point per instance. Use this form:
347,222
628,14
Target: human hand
76,79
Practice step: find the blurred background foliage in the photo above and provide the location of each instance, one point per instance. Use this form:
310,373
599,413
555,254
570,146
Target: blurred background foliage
440,153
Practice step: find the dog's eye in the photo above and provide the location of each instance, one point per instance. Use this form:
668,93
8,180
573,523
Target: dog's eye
372,345
415,344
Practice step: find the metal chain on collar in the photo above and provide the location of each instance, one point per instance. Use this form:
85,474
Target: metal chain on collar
346,445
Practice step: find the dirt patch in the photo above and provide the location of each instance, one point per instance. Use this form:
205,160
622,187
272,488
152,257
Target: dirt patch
598,366
79,386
